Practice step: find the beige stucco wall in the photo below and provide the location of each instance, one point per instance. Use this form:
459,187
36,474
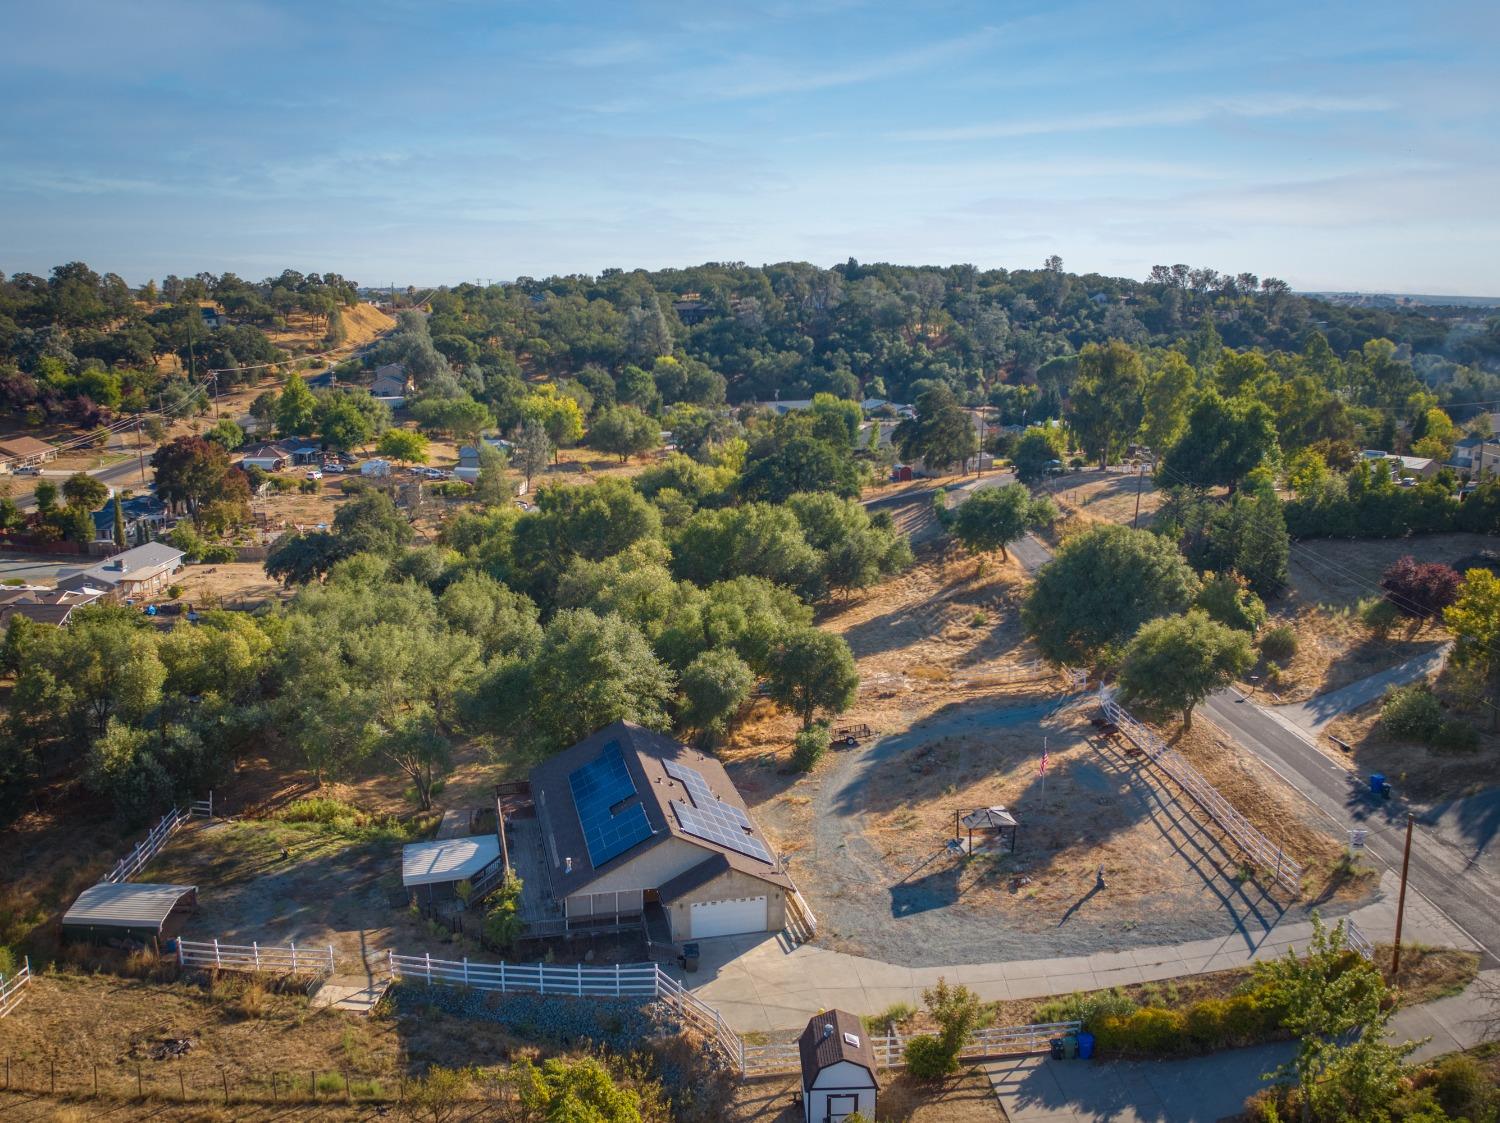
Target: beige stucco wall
726,886
652,869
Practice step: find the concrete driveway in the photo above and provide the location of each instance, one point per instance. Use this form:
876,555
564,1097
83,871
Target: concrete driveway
37,570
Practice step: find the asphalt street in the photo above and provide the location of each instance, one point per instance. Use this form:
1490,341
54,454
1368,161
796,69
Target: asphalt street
1447,875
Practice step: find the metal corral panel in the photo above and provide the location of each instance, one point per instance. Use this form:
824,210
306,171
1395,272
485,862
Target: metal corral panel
448,859
125,905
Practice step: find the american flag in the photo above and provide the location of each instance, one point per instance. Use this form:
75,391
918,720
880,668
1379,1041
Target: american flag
1042,771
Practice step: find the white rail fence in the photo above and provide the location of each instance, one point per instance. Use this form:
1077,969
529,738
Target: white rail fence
647,980
130,865
1357,940
1265,854
13,989
272,959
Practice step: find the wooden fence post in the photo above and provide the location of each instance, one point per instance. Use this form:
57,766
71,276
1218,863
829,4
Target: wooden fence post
428,956
224,1073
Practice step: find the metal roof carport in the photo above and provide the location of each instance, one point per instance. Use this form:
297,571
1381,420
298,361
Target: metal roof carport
128,910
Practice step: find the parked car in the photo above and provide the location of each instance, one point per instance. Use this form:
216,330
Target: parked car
315,475
435,473
28,471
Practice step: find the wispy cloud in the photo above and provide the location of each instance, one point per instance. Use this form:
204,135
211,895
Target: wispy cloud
1244,108
753,77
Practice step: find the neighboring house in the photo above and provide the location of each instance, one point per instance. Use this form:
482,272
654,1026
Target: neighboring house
468,457
838,1068
1476,456
791,405
1422,467
633,822
213,318
24,452
375,468
140,572
390,381
268,457
144,515
691,308
272,456
45,606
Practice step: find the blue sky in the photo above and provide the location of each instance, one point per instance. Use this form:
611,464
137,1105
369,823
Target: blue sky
417,141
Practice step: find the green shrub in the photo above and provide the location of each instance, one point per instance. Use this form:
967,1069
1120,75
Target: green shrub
9,962
1150,1030
1226,599
928,1059
1244,1019
1279,643
174,591
1411,711
1379,615
309,487
895,1014
353,485
810,746
1456,736
1463,1089
1087,1008
1204,1022
218,555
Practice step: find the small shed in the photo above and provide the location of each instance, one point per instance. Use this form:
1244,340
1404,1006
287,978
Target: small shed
434,869
996,820
139,912
838,1068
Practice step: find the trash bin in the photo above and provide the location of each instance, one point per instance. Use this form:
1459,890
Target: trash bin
1085,1046
689,957
1377,784
1056,1046
1070,1046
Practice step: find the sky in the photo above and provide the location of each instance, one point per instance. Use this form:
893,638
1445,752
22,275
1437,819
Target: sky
1337,146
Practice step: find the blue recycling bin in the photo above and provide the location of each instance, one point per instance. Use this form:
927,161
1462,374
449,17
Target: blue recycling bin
1085,1046
1377,783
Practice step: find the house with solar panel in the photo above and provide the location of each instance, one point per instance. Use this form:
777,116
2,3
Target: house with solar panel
630,824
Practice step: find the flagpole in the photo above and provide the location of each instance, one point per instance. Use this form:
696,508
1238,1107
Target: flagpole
1044,770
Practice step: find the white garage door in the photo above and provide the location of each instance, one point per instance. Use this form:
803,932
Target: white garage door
728,918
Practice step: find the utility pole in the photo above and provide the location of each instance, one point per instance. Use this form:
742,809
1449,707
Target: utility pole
1139,478
1401,901
215,376
140,455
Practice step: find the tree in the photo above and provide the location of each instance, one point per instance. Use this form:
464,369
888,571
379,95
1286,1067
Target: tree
624,431
941,435
1101,587
342,424
714,687
119,525
994,517
1107,402
194,472
225,432
1336,1007
1420,590
1223,441
1475,621
1036,451
813,671
296,408
371,524
856,550
1169,391
263,408
405,445
557,413
752,540
533,449
45,494
591,671
1436,437
572,1091
956,1010
492,486
300,557
1226,598
1175,662
82,490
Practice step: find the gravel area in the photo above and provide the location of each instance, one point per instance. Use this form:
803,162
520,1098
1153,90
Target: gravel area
867,906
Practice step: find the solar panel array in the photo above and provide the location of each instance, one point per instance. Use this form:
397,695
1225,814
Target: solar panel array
597,787
715,824
700,793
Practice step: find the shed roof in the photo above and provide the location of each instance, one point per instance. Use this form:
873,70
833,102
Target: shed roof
831,1037
125,905
989,818
447,859
25,446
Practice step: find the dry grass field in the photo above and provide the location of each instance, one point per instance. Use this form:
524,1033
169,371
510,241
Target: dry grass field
965,1097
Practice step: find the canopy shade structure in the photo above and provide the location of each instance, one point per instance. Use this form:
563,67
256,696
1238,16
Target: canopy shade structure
141,908
447,860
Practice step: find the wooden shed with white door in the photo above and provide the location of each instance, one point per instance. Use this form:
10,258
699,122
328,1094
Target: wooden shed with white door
838,1068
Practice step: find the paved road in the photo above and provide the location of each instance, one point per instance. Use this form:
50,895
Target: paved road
1443,873
1317,712
125,473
